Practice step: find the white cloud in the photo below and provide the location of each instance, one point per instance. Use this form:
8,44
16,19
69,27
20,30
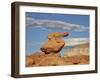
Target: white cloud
54,24
76,41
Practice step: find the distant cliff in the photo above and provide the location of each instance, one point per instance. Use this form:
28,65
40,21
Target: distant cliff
82,49
78,54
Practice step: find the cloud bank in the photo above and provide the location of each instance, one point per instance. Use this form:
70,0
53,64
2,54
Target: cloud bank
76,41
54,24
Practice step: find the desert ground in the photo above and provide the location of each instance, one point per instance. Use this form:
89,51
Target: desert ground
78,55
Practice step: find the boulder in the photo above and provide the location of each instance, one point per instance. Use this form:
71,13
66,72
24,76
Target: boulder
55,43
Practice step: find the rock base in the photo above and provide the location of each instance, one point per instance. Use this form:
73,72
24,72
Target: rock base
41,59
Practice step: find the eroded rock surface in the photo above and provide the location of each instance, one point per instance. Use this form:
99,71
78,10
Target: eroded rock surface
55,43
50,55
39,59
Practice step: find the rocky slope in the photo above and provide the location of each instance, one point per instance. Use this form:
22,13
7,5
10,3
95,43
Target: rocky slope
77,55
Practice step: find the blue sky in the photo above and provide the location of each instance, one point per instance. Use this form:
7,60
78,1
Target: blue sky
39,25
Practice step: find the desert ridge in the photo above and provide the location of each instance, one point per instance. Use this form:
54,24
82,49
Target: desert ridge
78,55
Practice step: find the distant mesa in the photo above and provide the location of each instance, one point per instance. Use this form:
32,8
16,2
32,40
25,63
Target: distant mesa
78,54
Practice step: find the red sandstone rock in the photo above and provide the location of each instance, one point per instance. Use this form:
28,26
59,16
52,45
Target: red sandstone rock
55,43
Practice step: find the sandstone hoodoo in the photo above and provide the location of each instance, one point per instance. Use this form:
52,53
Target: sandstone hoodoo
55,42
50,53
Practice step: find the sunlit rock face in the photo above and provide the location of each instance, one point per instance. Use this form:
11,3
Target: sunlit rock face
55,42
50,52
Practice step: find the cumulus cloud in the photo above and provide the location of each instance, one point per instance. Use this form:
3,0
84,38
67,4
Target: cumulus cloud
54,24
76,41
